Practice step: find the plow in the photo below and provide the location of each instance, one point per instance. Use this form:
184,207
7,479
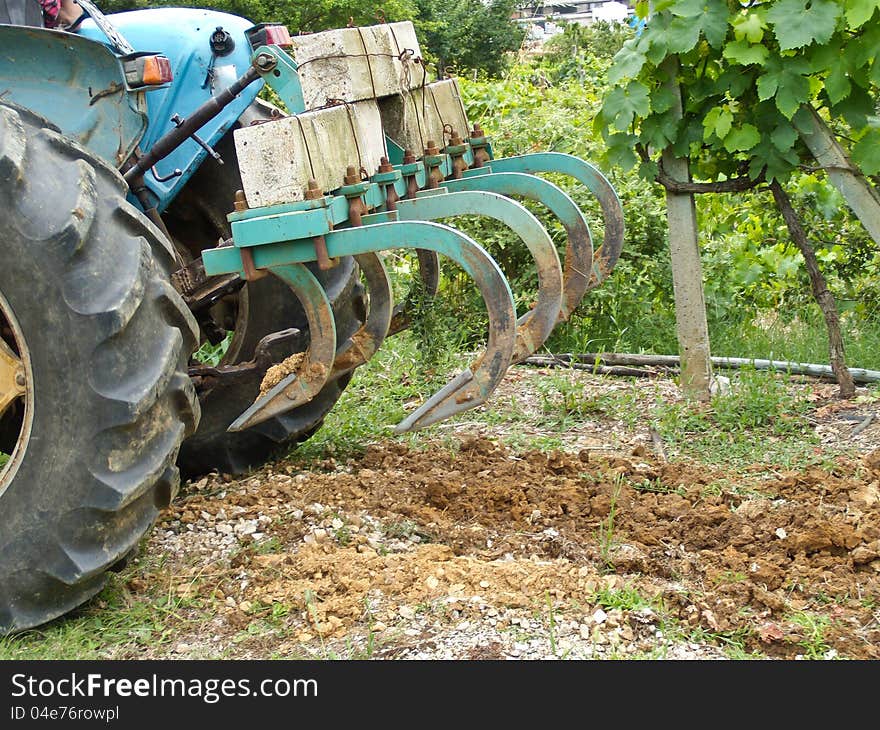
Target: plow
185,210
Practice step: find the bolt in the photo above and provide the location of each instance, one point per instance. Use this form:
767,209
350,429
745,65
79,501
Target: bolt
408,157
264,61
313,192
477,130
385,165
455,139
351,175
240,201
20,380
432,148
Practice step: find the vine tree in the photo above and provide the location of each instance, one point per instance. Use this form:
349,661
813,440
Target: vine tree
758,79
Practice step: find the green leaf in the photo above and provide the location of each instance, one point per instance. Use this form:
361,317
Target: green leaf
736,81
784,137
648,170
866,152
856,108
724,123
620,150
838,85
874,76
710,121
623,104
693,18
785,83
713,22
797,23
682,35
742,139
859,12
688,8
659,130
749,27
744,54
627,63
663,98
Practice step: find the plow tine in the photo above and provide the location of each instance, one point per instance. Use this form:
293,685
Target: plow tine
608,253
473,386
535,326
579,250
364,343
312,373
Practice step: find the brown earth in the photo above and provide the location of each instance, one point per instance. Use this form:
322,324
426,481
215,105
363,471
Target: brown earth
411,551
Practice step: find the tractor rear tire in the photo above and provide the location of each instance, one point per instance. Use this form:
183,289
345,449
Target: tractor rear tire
104,341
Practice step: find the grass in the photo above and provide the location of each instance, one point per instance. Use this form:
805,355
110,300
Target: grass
813,628
605,531
763,419
115,625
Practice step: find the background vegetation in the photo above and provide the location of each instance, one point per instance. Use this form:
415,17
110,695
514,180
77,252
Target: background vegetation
757,290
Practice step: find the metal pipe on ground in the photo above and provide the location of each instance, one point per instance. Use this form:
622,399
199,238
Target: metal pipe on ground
601,363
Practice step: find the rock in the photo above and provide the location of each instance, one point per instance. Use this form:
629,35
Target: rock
432,582
599,616
406,612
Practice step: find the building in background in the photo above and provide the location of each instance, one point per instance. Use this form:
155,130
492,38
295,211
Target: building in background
543,21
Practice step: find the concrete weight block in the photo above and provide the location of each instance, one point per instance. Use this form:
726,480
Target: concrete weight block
278,158
412,119
353,64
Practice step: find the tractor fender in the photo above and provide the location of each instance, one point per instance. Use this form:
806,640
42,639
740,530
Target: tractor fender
77,85
183,35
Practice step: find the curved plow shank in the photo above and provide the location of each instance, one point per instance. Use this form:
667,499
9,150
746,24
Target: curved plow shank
366,341
473,386
535,326
313,372
612,211
579,250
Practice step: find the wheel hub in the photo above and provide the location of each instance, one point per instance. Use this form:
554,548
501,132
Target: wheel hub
12,377
16,395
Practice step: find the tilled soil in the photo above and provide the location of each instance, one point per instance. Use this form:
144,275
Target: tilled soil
473,550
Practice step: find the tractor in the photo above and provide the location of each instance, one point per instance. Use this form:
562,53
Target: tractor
152,203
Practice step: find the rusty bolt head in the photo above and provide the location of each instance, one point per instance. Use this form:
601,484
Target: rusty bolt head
477,131
385,165
264,61
20,379
240,201
352,177
313,192
455,138
408,157
432,148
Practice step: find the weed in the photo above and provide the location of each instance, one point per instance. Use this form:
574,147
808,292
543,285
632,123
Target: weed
814,627
657,486
269,546
211,355
606,526
402,530
729,576
625,599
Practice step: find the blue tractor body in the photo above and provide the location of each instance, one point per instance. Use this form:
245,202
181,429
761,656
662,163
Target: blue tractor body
77,82
183,35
